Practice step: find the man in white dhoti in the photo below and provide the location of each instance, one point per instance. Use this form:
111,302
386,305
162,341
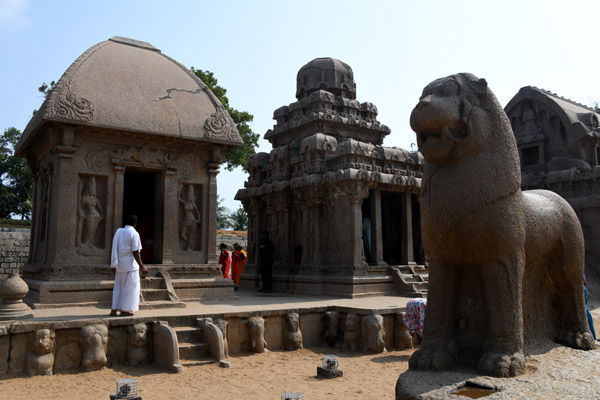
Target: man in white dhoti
125,263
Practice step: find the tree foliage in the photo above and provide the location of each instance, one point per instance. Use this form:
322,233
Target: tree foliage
223,218
239,220
16,181
242,119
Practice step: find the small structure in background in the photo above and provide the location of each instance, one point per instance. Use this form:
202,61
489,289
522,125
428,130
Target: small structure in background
559,149
341,209
126,389
330,367
147,141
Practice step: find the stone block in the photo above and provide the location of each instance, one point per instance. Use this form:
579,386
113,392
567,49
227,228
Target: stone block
234,334
311,325
68,354
4,352
388,327
18,348
273,331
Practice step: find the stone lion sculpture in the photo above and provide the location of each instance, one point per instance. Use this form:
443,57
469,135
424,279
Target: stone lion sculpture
505,266
40,358
292,337
137,344
93,340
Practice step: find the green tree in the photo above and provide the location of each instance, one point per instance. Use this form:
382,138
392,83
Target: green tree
16,181
223,218
237,157
239,220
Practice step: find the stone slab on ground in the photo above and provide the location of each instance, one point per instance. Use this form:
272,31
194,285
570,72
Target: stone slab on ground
558,372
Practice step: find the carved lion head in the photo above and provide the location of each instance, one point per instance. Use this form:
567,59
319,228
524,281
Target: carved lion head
449,116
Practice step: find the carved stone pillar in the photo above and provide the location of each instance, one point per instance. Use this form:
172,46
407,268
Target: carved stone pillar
170,235
211,238
119,169
355,195
406,230
61,237
376,228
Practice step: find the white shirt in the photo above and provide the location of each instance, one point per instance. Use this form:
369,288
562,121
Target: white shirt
126,241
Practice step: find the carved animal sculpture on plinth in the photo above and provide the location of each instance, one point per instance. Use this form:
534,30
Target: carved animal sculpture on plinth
93,340
373,333
40,358
292,337
256,334
137,345
505,266
352,331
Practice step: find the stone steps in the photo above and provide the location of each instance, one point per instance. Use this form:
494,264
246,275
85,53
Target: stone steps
192,350
156,294
153,305
411,279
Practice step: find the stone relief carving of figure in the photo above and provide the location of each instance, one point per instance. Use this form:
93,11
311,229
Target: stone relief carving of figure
331,323
373,333
222,324
40,357
293,336
256,334
137,345
93,340
90,213
352,331
191,215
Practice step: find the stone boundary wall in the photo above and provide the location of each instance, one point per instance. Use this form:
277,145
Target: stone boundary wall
14,250
229,240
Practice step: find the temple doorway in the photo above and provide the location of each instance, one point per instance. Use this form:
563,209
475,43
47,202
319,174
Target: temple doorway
391,215
140,197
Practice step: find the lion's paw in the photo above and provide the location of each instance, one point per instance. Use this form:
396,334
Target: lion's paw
577,339
502,365
433,358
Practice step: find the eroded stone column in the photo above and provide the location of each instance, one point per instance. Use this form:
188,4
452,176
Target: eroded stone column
211,239
376,228
406,229
170,220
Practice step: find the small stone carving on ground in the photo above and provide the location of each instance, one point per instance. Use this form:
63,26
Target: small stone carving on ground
40,357
93,340
373,333
402,336
137,345
352,331
331,331
505,266
292,338
256,334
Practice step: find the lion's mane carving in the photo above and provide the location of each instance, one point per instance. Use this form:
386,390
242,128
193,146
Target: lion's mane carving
505,266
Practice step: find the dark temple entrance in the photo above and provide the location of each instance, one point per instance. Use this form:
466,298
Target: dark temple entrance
141,197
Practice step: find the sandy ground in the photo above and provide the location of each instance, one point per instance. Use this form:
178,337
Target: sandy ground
252,376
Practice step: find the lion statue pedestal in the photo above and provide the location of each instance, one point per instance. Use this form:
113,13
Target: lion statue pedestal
505,266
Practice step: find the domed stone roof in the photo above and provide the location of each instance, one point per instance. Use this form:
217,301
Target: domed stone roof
130,85
327,74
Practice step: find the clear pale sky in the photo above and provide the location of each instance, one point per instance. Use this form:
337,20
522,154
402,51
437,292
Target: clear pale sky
255,49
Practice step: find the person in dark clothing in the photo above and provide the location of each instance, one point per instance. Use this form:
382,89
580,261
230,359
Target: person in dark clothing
266,256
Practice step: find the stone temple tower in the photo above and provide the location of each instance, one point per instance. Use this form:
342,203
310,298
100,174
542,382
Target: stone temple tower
341,209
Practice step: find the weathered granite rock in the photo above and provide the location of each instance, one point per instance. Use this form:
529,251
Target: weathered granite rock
552,372
68,352
373,333
137,344
352,331
506,265
40,357
93,341
255,334
292,336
